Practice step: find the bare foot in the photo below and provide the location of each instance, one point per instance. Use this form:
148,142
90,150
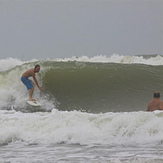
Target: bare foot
32,99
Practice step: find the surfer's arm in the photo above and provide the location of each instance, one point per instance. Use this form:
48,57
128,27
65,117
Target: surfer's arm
37,82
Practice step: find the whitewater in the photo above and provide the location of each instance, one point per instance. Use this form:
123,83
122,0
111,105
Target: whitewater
93,110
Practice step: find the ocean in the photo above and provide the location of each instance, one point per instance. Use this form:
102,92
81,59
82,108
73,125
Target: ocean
93,111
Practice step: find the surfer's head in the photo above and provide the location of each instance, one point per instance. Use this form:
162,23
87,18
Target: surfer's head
37,68
156,95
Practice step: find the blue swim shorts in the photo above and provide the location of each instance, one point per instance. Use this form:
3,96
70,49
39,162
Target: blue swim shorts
27,82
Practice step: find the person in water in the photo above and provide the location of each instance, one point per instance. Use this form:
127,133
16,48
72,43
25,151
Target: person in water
29,83
156,103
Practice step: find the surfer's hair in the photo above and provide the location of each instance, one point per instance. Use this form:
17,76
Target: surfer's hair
156,95
37,66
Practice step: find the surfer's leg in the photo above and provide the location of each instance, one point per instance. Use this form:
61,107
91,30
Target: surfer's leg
31,93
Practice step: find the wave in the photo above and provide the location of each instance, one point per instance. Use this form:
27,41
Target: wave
97,84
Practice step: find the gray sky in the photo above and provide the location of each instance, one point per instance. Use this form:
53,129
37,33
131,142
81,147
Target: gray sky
64,28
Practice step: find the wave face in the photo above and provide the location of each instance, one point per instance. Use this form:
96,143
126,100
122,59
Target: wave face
95,85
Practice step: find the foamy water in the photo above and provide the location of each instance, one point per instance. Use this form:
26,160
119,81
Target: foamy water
80,137
81,128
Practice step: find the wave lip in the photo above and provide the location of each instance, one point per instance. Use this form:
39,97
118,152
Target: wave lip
116,58
9,63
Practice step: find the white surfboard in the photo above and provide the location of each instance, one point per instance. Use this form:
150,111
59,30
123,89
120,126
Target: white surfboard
33,103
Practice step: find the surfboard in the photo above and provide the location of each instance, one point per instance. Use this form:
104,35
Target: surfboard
33,103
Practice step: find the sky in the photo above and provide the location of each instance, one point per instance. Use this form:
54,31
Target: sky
44,29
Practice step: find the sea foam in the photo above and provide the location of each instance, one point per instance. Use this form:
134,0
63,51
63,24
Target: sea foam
81,128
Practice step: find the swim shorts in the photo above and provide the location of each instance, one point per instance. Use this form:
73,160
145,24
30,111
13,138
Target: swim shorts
27,82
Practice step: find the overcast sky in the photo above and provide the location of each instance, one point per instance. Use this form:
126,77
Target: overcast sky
64,28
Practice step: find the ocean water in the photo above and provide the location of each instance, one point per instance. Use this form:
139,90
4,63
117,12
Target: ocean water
93,110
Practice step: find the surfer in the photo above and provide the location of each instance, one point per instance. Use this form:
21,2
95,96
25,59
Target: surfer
29,83
156,103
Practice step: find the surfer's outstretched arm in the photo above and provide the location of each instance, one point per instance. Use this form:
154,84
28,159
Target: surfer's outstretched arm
37,83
